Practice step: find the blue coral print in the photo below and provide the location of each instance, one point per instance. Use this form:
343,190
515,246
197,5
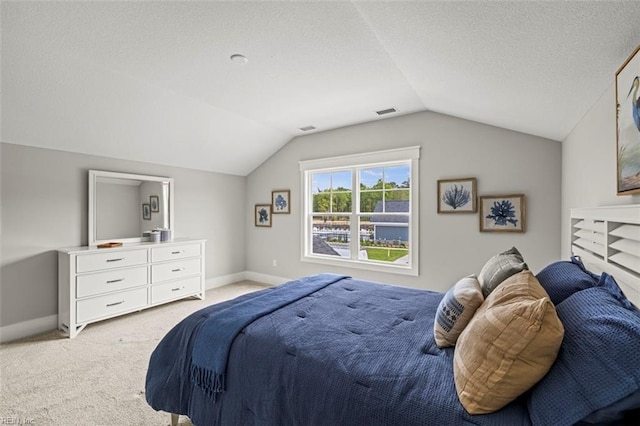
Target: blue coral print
456,197
263,215
503,213
281,203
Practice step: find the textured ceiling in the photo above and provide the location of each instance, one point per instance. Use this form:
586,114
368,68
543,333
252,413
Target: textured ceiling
152,81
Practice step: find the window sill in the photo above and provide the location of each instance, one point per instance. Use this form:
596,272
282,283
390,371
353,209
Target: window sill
369,266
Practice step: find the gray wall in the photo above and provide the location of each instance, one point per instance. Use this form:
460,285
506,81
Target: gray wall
44,207
451,246
589,164
44,201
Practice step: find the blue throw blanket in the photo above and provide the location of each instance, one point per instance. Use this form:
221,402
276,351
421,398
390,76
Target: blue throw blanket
215,336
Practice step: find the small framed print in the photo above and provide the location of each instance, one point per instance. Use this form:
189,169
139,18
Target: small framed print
280,201
146,211
263,215
502,213
457,195
154,200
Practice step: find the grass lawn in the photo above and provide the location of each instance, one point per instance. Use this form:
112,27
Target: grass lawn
384,254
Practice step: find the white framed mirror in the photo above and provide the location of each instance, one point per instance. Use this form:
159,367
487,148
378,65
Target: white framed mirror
122,206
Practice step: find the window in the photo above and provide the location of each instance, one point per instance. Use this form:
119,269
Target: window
361,210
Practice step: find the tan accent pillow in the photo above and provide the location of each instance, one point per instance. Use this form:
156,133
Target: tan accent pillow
509,345
499,268
456,310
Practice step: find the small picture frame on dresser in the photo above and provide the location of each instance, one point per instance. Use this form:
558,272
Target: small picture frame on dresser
154,201
146,211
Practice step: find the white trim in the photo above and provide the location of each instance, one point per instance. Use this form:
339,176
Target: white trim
244,276
265,278
94,175
224,280
28,328
391,156
367,265
355,160
622,213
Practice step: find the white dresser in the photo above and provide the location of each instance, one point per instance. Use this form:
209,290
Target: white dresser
95,284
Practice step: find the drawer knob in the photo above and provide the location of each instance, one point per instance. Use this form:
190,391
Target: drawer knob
115,260
177,252
115,281
114,304
177,270
177,288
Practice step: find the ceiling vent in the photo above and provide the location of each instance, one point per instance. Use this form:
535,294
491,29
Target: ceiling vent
386,111
307,128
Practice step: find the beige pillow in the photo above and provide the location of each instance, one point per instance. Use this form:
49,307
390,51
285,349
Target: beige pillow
508,346
456,310
499,268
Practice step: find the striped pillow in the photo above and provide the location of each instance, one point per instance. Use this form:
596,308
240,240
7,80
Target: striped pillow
499,268
456,310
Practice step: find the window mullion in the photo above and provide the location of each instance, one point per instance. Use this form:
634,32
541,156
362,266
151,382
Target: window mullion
308,210
395,225
355,207
384,196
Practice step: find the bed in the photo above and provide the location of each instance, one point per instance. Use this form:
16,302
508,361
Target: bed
335,350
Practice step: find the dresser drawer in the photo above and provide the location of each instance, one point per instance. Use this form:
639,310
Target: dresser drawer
104,282
160,254
175,289
173,270
110,304
110,260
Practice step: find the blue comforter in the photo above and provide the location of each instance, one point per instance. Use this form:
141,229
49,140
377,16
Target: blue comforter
351,353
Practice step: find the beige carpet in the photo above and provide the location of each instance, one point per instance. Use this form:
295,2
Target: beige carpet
98,377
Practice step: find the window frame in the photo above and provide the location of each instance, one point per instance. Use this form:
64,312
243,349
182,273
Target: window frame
386,158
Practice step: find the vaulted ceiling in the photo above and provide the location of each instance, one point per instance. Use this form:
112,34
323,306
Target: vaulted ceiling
155,82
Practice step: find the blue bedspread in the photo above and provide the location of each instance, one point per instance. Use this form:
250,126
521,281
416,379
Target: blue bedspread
352,353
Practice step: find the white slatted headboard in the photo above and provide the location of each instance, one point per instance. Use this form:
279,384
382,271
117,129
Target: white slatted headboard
607,239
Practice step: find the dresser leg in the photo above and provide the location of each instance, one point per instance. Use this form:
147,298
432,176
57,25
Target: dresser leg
174,419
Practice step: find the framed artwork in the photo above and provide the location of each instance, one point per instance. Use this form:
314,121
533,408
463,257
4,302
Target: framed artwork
263,215
457,195
155,203
628,125
502,213
280,201
146,211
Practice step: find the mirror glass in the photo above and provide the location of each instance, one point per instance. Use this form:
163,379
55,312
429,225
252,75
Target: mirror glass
123,206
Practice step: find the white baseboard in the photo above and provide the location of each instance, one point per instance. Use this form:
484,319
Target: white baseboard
28,328
264,278
224,280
